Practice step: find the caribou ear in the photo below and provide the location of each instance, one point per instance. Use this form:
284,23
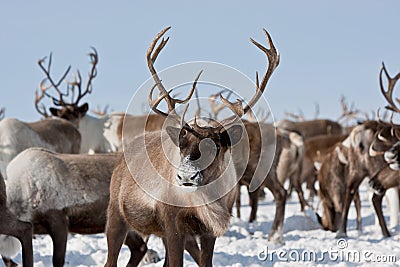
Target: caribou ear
173,133
55,112
232,135
83,109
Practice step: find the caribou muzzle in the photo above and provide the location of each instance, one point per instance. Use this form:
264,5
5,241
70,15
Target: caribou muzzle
189,174
392,157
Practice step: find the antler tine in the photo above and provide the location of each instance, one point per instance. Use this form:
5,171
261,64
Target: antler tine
236,107
317,110
273,62
184,101
151,58
98,111
53,84
273,59
154,103
94,60
347,113
251,117
2,113
298,117
261,115
42,108
389,93
217,108
378,117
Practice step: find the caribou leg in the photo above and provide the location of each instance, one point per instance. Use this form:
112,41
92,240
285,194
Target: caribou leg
207,249
116,231
137,246
299,190
253,201
10,225
174,244
352,185
280,195
192,247
357,203
238,202
377,202
346,206
57,227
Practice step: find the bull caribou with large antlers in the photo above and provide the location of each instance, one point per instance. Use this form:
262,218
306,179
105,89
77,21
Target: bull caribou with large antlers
386,143
367,144
99,134
67,106
202,154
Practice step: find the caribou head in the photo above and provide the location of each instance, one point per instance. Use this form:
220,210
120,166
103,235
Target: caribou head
203,145
386,141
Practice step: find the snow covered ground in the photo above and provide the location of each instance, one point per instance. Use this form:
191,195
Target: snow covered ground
244,245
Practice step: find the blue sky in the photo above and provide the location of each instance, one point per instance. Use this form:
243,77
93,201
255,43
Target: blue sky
328,48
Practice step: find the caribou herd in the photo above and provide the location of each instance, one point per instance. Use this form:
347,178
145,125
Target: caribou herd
74,173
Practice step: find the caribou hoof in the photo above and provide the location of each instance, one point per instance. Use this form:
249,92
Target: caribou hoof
276,237
151,257
341,234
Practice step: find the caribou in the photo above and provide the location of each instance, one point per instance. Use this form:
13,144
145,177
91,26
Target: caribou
332,177
55,134
199,192
364,162
285,163
312,127
60,194
386,143
260,136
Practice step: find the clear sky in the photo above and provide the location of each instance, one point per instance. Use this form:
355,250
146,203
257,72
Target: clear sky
328,48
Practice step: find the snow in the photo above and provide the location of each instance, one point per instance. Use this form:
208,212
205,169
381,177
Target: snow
247,245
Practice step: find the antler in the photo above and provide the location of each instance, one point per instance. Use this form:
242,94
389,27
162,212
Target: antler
41,109
389,93
273,59
297,117
2,113
317,110
216,108
100,112
60,101
77,82
237,107
347,113
262,116
151,57
94,60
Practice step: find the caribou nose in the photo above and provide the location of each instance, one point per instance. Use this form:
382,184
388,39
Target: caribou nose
191,179
390,156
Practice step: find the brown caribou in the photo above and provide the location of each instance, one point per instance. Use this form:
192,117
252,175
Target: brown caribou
199,192
332,177
312,127
386,144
